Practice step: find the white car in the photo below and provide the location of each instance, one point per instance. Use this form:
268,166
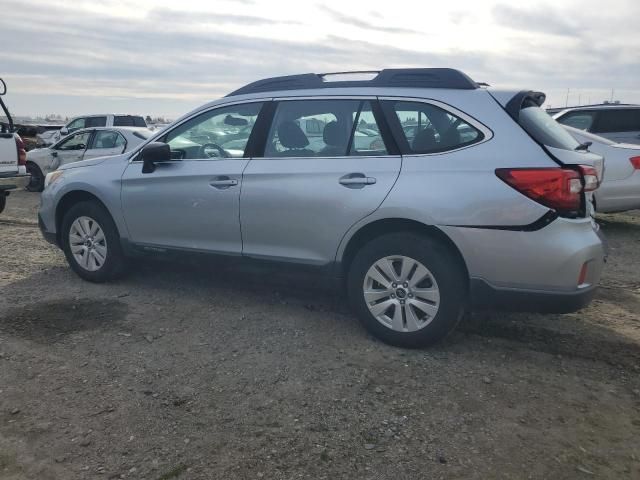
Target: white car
620,189
81,145
92,121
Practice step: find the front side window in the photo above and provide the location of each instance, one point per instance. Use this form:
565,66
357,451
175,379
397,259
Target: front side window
220,133
74,142
579,120
426,128
324,128
108,139
623,120
77,124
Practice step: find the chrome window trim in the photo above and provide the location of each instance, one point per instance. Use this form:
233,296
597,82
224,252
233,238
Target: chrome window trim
486,131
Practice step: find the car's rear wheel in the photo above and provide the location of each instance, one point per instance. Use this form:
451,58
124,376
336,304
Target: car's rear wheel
91,242
408,289
3,200
36,184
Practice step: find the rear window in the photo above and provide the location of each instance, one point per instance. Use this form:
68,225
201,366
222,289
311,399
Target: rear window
128,121
579,120
623,120
545,130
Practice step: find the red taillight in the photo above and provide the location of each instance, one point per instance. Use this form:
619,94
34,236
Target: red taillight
22,152
635,161
557,188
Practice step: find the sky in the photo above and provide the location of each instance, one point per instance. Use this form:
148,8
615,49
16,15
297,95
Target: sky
164,58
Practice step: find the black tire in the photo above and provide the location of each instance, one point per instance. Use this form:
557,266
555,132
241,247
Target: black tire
114,264
445,268
36,184
3,200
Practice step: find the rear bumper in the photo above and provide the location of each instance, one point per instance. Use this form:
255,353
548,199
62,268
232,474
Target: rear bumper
488,297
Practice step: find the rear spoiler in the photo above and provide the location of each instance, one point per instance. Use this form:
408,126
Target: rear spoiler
3,90
523,99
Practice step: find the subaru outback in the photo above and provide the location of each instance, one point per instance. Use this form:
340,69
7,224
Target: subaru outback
423,191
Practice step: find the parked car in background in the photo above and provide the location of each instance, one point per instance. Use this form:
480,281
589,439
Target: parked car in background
81,145
13,173
91,121
32,134
488,204
620,188
617,122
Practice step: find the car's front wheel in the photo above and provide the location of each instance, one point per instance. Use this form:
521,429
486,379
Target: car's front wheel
408,289
36,183
91,242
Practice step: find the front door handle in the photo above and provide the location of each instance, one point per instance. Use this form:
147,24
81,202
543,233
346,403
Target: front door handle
356,180
223,182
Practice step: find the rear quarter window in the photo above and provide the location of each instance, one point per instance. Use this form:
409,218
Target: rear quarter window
426,128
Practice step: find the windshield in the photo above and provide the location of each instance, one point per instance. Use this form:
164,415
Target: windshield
545,129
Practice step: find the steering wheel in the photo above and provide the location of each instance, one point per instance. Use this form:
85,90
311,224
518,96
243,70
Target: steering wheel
206,151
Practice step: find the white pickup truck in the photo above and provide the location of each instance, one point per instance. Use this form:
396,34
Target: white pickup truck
13,156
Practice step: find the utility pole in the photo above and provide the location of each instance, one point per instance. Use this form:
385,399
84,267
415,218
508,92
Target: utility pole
611,96
566,101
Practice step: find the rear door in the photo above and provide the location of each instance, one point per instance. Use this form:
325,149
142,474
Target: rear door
105,143
314,182
620,125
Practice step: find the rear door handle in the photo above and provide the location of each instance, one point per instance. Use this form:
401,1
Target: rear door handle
356,180
223,182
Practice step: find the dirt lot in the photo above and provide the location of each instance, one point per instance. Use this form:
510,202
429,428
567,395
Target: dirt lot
196,372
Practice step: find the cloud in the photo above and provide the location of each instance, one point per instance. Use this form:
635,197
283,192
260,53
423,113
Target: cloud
537,20
363,24
176,59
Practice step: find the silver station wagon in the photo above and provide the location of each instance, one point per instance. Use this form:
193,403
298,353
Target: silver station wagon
423,192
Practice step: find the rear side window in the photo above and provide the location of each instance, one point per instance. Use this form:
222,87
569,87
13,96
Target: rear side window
579,120
427,128
128,121
623,120
324,128
544,129
96,122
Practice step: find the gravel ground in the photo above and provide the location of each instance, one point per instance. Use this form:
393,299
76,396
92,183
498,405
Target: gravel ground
203,371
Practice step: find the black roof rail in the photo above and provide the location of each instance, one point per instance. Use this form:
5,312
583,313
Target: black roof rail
389,77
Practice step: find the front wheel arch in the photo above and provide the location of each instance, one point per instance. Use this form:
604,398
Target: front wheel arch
69,200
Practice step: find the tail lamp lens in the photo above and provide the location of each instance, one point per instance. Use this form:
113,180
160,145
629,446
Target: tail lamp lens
557,188
635,161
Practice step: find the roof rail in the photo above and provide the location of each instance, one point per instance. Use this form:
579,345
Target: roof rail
389,77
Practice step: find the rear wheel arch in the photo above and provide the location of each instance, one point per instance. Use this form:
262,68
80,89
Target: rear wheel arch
395,225
69,200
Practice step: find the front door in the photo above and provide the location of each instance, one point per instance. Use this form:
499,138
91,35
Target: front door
71,149
325,167
192,202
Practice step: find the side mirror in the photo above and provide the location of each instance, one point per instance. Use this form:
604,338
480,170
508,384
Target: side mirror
64,131
154,152
80,146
